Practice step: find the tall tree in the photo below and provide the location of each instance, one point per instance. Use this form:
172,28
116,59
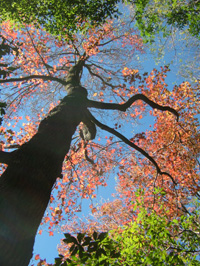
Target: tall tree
33,168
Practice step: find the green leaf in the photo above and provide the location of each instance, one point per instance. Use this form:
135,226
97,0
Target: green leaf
102,236
87,241
69,239
95,235
80,237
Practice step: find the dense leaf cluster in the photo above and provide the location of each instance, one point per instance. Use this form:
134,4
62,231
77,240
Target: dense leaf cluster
57,16
153,16
97,248
67,17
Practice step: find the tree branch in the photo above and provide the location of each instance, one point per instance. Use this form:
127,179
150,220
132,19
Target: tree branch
5,157
99,77
43,77
13,146
126,105
131,144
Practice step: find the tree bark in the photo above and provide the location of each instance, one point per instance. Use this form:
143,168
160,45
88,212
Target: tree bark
26,184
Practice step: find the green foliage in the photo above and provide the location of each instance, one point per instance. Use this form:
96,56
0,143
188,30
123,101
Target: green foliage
97,249
57,16
152,239
156,16
67,17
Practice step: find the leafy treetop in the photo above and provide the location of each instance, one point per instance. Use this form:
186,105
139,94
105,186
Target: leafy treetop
154,16
59,17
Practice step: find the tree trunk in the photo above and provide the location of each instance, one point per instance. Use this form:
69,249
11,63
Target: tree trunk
26,184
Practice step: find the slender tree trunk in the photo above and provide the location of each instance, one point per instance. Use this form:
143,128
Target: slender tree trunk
26,184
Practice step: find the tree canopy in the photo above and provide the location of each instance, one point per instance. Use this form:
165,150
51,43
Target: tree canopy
153,17
59,17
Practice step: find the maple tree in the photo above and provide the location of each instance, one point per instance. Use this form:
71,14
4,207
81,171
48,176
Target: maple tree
47,69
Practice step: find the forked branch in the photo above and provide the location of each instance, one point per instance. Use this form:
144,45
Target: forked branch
124,106
128,142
